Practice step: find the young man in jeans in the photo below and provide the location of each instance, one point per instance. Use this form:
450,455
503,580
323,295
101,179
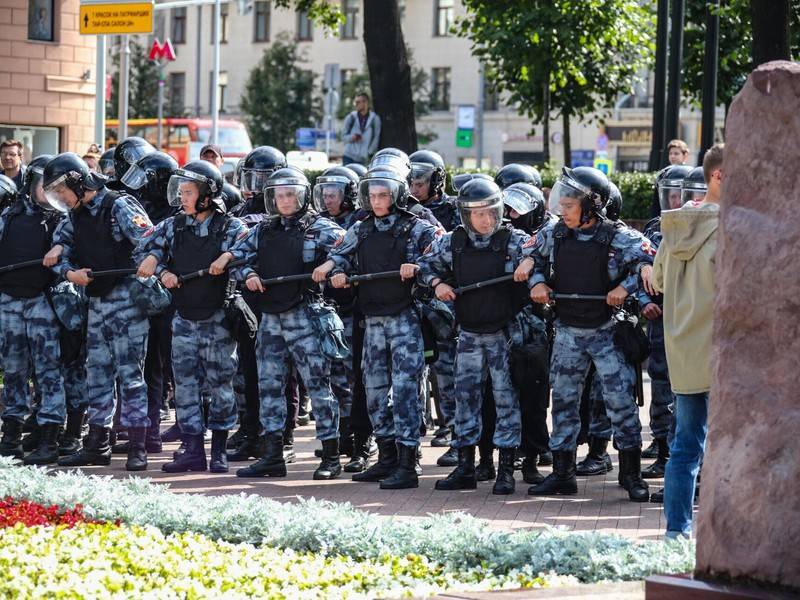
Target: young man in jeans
684,272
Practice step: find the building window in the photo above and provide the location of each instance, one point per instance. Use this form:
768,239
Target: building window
262,15
349,29
304,27
223,30
443,17
222,90
178,31
177,93
491,99
440,86
346,75
40,20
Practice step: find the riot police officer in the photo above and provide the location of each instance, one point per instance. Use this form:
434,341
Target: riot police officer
101,232
588,256
390,238
517,173
127,152
203,350
292,242
426,183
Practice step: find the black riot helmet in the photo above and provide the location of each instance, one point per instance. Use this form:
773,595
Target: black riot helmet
258,166
380,180
128,151
668,183
287,184
528,202
427,167
480,202
462,178
107,162
66,179
237,173
149,177
694,186
357,168
517,173
231,197
587,185
393,158
8,191
199,178
336,183
614,206
32,182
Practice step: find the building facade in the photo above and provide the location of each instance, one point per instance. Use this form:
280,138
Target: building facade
453,80
47,77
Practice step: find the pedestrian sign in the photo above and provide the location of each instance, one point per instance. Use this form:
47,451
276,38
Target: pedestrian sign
604,164
464,138
117,17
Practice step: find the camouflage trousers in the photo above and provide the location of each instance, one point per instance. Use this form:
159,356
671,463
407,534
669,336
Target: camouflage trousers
445,370
203,360
289,338
116,349
662,399
29,346
573,349
393,362
479,355
76,389
342,373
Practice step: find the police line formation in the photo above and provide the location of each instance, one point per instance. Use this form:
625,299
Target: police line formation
360,292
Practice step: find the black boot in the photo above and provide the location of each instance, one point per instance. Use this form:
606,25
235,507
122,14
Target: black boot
46,452
237,438
656,470
504,484
173,434
96,449
346,441
271,463
251,447
449,458
630,466
657,497
358,462
405,475
11,443
530,474
463,477
651,451
387,462
191,459
441,438
31,441
152,441
219,458
137,451
70,441
330,467
562,480
485,469
289,455
545,459
597,462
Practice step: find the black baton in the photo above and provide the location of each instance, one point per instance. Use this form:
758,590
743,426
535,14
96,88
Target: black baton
204,272
356,279
480,284
22,265
110,272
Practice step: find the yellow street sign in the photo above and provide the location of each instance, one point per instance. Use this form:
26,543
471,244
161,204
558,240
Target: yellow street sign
119,17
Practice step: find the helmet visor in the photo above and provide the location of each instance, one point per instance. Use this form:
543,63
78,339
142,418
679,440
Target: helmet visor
670,197
565,195
59,196
254,180
483,217
379,194
518,201
184,191
135,178
692,195
107,167
284,200
329,194
391,161
130,154
36,190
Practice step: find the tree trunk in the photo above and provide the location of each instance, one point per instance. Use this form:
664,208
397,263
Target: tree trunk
567,140
546,122
770,20
389,74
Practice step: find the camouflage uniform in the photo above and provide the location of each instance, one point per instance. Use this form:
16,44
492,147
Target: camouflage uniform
392,343
574,347
203,350
288,336
117,328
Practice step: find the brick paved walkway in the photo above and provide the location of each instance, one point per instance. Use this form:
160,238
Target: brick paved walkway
600,505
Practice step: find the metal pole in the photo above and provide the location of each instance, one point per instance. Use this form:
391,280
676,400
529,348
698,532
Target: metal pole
709,79
160,134
198,73
124,76
479,116
215,75
100,94
660,87
674,85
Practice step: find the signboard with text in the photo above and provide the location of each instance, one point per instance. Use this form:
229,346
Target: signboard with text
116,18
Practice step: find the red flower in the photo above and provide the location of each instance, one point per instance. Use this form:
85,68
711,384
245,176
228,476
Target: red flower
31,514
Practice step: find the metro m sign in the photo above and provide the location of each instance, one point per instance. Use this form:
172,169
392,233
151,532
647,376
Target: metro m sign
161,51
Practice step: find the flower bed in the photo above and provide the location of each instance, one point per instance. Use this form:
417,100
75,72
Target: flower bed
458,547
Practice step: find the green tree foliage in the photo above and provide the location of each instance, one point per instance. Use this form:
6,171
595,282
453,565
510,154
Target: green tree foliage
735,41
279,96
142,86
585,53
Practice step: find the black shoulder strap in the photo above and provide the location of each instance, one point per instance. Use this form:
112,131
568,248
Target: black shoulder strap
458,241
366,227
605,233
500,239
403,227
560,233
178,227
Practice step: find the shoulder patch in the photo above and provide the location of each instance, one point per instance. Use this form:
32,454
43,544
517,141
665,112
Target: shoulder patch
149,231
647,247
242,234
140,221
339,240
531,242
